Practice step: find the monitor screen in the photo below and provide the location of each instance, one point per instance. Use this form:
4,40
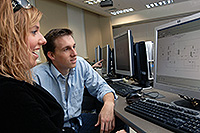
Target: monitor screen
106,56
177,56
123,54
98,53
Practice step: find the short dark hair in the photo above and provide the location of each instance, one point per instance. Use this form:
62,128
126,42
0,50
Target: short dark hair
51,36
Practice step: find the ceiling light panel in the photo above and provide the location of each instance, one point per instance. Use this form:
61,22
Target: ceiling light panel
92,2
122,11
159,3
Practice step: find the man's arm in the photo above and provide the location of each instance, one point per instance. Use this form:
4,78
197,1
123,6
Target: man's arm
106,116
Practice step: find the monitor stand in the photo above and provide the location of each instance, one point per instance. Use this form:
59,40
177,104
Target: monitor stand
186,104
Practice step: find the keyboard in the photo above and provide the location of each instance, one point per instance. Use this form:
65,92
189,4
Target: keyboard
123,89
172,117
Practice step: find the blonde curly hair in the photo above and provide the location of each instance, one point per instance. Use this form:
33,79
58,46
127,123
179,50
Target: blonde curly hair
14,52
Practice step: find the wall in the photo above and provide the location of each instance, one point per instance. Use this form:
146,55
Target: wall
89,28
142,23
93,33
98,31
76,24
106,30
52,16
141,32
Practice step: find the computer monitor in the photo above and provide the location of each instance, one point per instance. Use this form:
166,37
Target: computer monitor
98,53
177,56
123,54
106,56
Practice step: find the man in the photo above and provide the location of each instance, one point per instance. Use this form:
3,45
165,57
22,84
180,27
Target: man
65,75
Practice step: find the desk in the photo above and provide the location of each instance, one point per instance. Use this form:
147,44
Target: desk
137,123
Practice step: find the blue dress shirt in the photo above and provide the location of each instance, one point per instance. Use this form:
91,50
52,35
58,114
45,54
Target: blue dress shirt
82,75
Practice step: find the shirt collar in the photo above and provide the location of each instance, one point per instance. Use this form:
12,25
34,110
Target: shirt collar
56,73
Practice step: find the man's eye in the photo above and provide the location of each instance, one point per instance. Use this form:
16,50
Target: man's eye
74,47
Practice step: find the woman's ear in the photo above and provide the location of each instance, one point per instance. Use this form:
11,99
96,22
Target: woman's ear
51,55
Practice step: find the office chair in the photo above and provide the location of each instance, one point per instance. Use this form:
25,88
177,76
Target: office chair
90,103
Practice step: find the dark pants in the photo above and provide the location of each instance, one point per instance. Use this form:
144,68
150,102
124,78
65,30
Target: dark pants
89,120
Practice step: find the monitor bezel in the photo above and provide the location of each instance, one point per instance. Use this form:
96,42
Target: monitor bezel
108,63
98,53
131,54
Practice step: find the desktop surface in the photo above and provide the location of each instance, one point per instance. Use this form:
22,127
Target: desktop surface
137,123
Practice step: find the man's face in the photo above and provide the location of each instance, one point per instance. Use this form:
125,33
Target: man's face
64,57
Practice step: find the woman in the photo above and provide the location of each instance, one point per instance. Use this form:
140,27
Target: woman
25,107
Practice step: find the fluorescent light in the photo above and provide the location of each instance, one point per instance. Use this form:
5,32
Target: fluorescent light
91,2
113,13
127,10
131,9
152,5
120,11
164,2
160,3
148,6
156,4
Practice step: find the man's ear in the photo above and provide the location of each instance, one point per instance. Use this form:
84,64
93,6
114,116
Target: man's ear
51,55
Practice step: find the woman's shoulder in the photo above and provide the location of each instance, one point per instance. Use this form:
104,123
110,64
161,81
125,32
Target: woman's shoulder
10,88
8,82
8,85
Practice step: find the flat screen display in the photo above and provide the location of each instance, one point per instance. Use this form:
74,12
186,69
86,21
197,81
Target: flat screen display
177,62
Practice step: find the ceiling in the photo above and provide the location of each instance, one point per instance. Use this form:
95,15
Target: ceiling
137,5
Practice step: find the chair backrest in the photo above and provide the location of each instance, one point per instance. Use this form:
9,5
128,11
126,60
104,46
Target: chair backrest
90,103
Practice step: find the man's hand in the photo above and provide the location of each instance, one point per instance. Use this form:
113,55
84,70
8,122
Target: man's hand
106,116
97,64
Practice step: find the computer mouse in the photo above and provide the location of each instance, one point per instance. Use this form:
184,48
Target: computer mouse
133,96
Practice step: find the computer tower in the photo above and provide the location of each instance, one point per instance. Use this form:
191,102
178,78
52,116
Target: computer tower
149,45
143,61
